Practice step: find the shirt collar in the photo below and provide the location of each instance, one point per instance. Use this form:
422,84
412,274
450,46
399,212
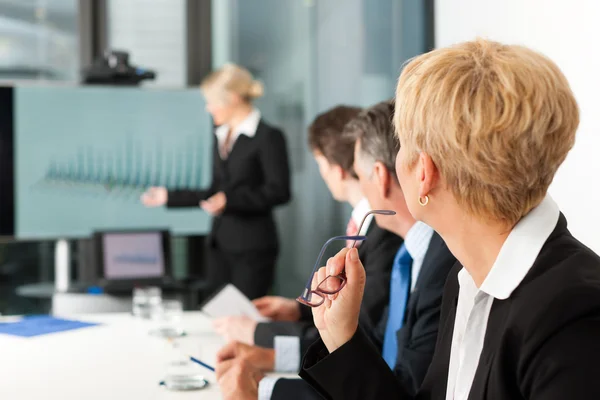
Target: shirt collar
519,251
247,127
417,240
359,212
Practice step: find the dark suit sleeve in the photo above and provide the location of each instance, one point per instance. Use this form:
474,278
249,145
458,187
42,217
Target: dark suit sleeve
192,198
265,332
354,371
378,259
294,389
416,348
310,336
567,363
187,198
375,334
275,189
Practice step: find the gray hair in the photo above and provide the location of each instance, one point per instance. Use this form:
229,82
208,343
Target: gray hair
375,130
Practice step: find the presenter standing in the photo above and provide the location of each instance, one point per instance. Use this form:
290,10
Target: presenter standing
250,176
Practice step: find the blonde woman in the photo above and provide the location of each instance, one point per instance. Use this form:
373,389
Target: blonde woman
483,128
250,177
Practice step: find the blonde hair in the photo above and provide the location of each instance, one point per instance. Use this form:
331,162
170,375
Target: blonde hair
497,121
232,78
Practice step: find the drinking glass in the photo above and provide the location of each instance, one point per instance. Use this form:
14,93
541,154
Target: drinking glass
168,319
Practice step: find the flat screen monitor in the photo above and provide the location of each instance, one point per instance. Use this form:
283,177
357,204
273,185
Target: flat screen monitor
133,255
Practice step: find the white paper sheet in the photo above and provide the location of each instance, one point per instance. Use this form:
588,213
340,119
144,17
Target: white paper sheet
231,302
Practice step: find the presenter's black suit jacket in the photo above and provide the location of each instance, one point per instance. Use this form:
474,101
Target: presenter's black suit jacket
416,339
377,254
255,178
542,343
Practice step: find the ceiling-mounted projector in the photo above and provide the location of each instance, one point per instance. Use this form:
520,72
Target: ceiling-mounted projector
113,69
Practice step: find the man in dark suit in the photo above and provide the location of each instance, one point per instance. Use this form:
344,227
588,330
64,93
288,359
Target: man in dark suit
334,154
412,337
483,129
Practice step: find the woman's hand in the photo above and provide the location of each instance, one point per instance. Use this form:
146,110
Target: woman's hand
337,317
155,197
215,204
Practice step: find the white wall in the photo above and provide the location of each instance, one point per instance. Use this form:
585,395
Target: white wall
567,31
153,32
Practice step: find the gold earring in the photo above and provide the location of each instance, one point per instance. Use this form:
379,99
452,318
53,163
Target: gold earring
423,203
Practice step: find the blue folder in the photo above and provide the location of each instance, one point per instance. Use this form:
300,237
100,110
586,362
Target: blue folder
40,325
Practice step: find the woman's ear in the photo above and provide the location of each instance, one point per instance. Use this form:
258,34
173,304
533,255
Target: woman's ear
234,99
427,174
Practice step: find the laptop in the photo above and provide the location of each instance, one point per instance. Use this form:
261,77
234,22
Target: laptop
128,259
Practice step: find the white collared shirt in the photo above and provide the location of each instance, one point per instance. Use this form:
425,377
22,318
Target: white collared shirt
515,259
247,127
417,242
359,212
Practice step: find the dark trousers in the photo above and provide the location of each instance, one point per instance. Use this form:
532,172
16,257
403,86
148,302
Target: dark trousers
252,272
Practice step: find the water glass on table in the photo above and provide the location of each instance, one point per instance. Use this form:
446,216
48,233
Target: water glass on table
145,301
183,374
168,319
184,371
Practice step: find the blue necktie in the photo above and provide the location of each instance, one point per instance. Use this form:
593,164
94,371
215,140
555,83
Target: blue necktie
399,291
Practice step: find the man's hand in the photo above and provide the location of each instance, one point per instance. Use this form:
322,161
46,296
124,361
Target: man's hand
278,308
215,204
337,318
238,380
239,329
258,357
155,197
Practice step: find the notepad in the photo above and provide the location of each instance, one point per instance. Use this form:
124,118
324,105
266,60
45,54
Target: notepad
40,325
231,302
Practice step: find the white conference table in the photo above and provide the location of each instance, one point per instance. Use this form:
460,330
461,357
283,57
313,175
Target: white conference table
116,360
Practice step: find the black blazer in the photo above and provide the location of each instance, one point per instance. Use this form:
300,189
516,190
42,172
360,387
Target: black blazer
255,178
417,337
377,254
541,343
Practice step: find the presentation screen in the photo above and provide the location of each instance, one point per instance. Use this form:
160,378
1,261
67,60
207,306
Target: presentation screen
82,156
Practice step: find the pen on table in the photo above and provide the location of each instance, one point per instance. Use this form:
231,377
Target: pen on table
201,363
174,344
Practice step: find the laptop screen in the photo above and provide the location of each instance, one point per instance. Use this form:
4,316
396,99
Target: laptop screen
133,255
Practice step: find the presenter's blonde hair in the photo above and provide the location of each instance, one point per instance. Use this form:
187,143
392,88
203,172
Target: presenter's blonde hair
231,78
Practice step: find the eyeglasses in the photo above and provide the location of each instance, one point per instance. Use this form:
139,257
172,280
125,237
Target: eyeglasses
332,284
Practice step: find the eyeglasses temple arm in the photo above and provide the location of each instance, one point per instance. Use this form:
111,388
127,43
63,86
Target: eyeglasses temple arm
360,226
382,212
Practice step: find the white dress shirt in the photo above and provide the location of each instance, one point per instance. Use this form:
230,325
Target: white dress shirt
417,242
247,127
514,261
359,212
